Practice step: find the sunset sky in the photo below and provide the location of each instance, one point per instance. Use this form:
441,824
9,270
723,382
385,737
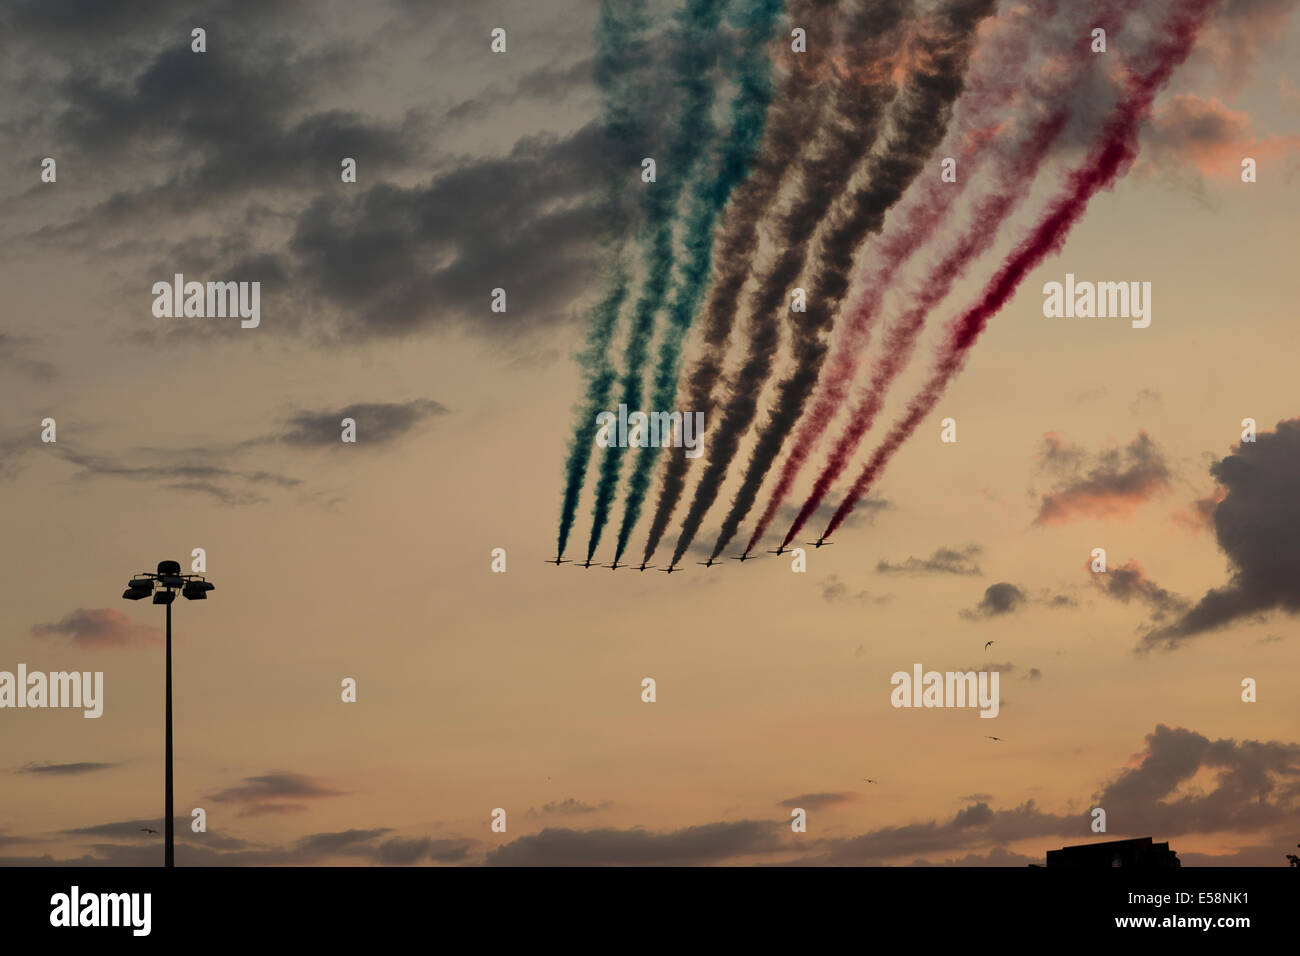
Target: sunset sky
522,690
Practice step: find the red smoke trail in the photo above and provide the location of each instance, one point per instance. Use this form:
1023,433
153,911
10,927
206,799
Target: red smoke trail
1114,153
997,77
1020,162
901,336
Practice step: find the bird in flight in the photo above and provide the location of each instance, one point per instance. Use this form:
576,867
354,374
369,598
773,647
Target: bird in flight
993,738
869,780
987,645
147,830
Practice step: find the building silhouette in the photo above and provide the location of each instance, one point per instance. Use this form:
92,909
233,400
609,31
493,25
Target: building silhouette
1140,853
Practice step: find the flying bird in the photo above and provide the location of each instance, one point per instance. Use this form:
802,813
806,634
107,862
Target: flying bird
987,645
869,780
992,738
147,830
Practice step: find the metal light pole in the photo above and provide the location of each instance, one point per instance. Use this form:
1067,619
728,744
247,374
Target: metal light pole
169,820
194,588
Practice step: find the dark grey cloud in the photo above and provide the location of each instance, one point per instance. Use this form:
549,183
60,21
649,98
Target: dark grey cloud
1129,582
338,841
816,801
943,561
215,849
998,856
65,769
181,472
450,850
1257,525
1256,784
377,423
248,133
1111,482
833,589
14,358
973,826
135,830
274,792
394,259
710,843
193,470
100,628
999,599
219,124
569,806
550,83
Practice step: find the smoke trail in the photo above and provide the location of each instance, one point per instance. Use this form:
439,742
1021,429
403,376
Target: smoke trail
621,51
1114,153
795,115
1019,159
918,122
693,58
997,75
748,111
863,91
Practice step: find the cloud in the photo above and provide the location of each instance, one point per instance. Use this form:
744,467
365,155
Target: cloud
568,807
14,358
396,259
193,469
377,423
710,843
1255,784
182,471
100,628
816,801
943,561
1257,525
1180,783
1130,582
1145,396
1199,515
1234,40
65,769
833,589
274,792
1208,138
999,599
551,83
338,841
975,825
1117,482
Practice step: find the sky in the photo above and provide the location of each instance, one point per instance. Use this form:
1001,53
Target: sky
522,690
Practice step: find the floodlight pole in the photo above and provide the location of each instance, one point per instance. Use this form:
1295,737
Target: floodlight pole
170,859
